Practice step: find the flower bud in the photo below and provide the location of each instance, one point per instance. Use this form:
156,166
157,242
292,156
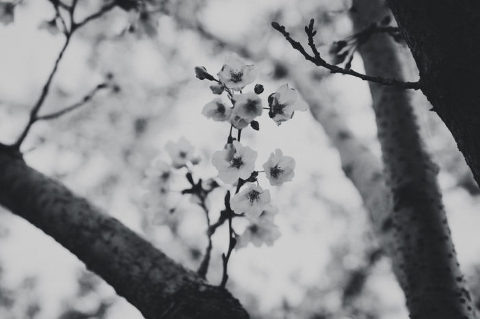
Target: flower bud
202,74
258,88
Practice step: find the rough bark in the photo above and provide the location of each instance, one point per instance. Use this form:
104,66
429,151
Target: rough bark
146,277
424,253
443,38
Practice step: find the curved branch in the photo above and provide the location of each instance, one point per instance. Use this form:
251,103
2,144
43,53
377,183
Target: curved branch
156,285
319,61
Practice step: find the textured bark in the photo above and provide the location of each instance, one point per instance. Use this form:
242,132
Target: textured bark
429,272
146,277
443,37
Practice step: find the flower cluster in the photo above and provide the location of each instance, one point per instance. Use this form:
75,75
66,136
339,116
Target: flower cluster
235,162
234,76
159,176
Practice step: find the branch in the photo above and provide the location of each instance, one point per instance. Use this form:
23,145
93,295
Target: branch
68,35
46,88
319,61
74,106
156,285
104,9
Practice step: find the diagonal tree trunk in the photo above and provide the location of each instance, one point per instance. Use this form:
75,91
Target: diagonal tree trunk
146,277
359,164
443,38
429,272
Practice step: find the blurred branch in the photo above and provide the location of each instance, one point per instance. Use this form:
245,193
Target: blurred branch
319,61
156,285
83,101
357,278
69,31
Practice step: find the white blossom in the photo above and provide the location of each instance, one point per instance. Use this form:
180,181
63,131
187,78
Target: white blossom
234,162
247,105
246,108
279,168
283,104
217,110
180,152
251,201
235,74
261,230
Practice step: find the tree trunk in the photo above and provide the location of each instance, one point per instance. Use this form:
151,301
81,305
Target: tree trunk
429,272
443,36
146,277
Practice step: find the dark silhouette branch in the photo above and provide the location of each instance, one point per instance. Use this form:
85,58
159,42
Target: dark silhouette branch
319,61
148,279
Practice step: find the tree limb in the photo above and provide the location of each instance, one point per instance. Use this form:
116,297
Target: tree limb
146,277
319,61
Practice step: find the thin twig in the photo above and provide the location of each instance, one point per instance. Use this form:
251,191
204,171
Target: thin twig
319,61
46,87
203,269
74,106
43,95
105,8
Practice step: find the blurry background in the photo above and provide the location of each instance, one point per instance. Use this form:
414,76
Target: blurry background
326,264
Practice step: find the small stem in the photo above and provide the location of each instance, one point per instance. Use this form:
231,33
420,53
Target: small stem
239,135
203,268
74,106
46,88
226,258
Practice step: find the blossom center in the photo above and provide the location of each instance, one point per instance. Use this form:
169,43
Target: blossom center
277,108
251,106
220,108
236,162
253,229
276,171
182,154
253,196
236,77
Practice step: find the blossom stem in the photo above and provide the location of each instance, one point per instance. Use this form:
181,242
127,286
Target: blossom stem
231,244
203,269
239,134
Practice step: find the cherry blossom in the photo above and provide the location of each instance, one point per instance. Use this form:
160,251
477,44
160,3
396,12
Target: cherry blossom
217,110
262,230
247,105
279,168
180,152
283,104
235,74
251,201
246,108
234,162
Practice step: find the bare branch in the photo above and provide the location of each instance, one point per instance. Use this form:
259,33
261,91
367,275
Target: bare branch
68,34
74,106
104,9
319,61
